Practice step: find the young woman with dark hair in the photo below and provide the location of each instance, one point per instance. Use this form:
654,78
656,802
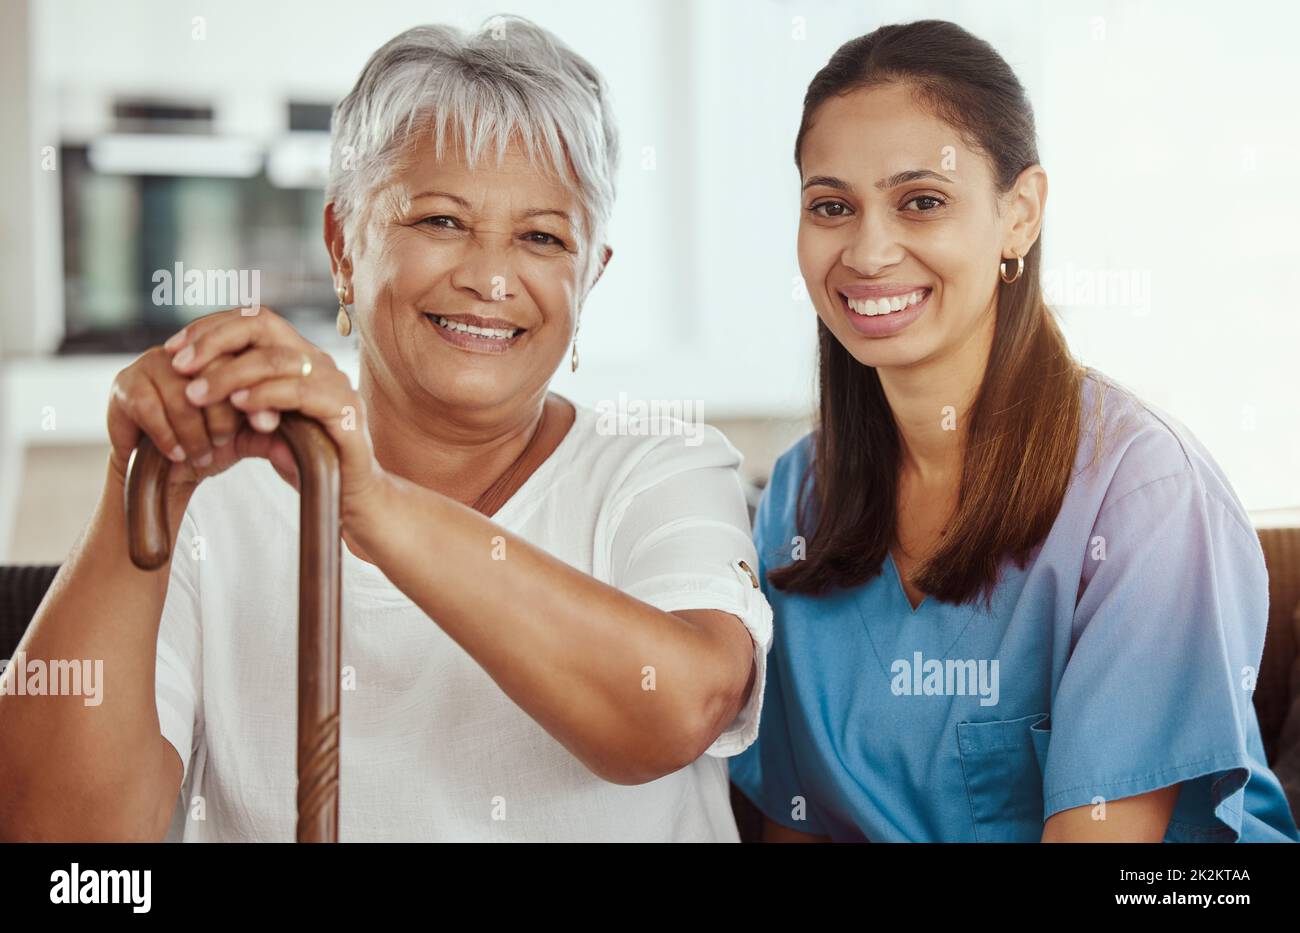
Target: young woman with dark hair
1013,602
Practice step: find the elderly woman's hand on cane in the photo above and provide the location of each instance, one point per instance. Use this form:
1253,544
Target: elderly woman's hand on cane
261,365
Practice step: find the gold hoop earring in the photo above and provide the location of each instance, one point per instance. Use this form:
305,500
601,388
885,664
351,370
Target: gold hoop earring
1002,270
344,322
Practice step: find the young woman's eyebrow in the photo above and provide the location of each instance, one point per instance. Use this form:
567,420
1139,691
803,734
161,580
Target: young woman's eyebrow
827,181
893,181
902,178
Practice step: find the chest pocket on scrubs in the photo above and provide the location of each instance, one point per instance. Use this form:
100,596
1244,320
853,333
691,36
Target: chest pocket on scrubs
1002,763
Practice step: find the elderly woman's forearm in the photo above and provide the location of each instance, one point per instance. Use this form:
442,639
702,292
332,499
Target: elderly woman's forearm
633,691
91,767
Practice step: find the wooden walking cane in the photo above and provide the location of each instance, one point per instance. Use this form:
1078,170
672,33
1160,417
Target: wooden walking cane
319,557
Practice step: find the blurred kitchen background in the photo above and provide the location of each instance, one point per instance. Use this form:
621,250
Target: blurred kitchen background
143,133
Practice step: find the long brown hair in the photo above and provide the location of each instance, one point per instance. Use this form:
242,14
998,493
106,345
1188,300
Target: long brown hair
1023,426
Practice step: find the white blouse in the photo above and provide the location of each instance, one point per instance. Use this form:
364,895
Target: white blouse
431,748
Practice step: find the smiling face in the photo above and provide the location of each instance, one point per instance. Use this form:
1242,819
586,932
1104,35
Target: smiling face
901,229
469,282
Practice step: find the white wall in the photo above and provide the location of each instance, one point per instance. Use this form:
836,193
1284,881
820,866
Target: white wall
1172,144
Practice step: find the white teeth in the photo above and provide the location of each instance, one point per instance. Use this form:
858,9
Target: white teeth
494,333
874,306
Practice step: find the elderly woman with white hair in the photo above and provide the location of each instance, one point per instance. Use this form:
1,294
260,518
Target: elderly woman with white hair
549,632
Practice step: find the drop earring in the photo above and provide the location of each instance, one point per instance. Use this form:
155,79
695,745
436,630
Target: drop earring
573,358
344,322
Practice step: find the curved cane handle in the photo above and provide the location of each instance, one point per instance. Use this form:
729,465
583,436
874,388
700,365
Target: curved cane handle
319,563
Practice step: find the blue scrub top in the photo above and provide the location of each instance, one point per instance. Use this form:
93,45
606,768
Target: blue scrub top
1119,660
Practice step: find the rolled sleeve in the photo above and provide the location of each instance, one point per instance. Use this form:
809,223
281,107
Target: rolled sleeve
682,543
767,772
